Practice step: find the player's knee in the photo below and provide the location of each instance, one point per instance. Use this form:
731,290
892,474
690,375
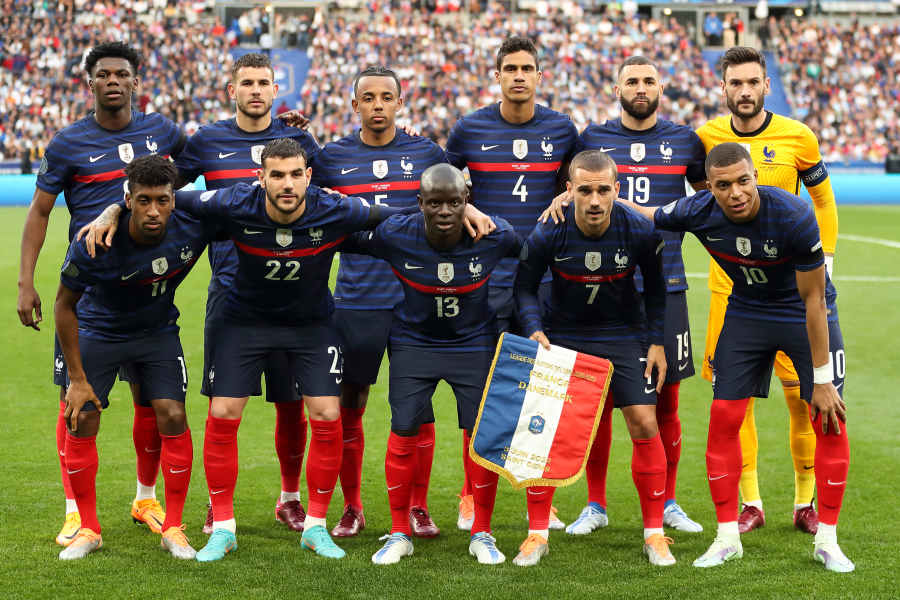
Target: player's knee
88,423
641,421
354,395
324,413
171,418
726,416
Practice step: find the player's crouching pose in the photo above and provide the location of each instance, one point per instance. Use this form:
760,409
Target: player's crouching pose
444,328
127,318
768,243
595,308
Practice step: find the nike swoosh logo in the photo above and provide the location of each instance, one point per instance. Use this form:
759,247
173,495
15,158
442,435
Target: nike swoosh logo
226,155
324,491
410,267
345,171
353,439
394,487
536,493
486,485
718,477
682,367
177,471
152,450
830,482
712,239
659,493
72,536
602,149
71,472
428,445
839,386
649,390
214,492
486,148
561,258
126,277
807,468
251,232
94,159
678,441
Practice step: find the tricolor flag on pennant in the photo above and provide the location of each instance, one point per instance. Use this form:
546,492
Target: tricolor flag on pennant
539,412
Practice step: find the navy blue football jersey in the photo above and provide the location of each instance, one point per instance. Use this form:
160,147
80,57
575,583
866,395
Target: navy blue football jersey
759,256
513,167
593,296
225,155
386,174
129,290
282,275
87,162
653,165
445,296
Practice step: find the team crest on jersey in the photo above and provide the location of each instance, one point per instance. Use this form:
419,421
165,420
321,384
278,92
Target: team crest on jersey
187,253
315,235
743,246
212,374
536,424
256,153
520,148
406,166
770,249
638,151
126,152
665,150
380,168
160,265
547,147
592,260
45,166
475,268
445,272
59,364
151,146
621,259
284,237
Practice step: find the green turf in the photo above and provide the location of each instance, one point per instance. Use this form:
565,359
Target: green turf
269,562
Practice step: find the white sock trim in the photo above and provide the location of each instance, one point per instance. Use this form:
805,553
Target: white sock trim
648,531
71,507
729,529
228,524
755,504
312,522
544,533
145,491
288,496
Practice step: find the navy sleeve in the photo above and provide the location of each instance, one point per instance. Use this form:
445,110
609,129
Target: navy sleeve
55,171
573,139
76,270
309,145
679,215
650,263
211,203
455,142
696,169
188,161
370,243
533,260
176,138
806,244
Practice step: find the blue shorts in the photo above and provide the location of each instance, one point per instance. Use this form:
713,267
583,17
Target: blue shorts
502,300
241,353
61,371
414,375
628,386
677,338
364,337
280,383
156,363
746,350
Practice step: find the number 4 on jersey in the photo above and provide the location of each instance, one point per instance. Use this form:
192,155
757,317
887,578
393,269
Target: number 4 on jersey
519,189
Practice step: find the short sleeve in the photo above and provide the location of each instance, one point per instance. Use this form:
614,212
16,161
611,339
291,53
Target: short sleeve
455,142
188,161
56,170
76,270
696,168
806,245
680,215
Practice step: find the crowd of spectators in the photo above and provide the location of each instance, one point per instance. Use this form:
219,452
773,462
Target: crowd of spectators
844,81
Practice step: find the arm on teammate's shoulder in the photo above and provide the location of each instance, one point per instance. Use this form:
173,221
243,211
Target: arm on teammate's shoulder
28,303
101,231
368,243
647,212
477,223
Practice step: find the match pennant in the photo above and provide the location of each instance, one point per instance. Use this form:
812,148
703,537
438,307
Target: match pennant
539,412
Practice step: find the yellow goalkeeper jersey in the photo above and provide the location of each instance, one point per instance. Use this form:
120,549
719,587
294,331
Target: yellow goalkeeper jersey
785,152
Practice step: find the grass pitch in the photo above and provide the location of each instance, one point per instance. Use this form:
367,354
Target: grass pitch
270,564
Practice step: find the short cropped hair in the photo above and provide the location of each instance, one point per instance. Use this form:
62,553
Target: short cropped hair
592,161
376,71
254,60
727,154
283,148
739,55
515,44
636,60
112,50
151,170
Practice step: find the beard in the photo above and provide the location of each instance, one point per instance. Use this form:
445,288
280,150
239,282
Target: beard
757,107
640,113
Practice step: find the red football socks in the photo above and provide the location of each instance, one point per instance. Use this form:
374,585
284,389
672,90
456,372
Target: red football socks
723,456
422,473
81,466
220,459
147,444
648,471
399,464
670,433
290,443
466,485
323,464
61,451
484,492
177,455
832,466
354,445
598,459
539,499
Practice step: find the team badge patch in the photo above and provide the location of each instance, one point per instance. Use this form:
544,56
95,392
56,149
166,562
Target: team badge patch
256,153
520,148
621,259
638,151
536,424
743,246
126,152
380,168
592,260
407,166
284,237
445,272
160,265
770,249
315,235
665,150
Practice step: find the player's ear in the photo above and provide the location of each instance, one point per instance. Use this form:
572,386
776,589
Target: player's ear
261,174
128,200
355,104
497,76
540,76
231,90
419,201
767,86
569,186
617,187
274,90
